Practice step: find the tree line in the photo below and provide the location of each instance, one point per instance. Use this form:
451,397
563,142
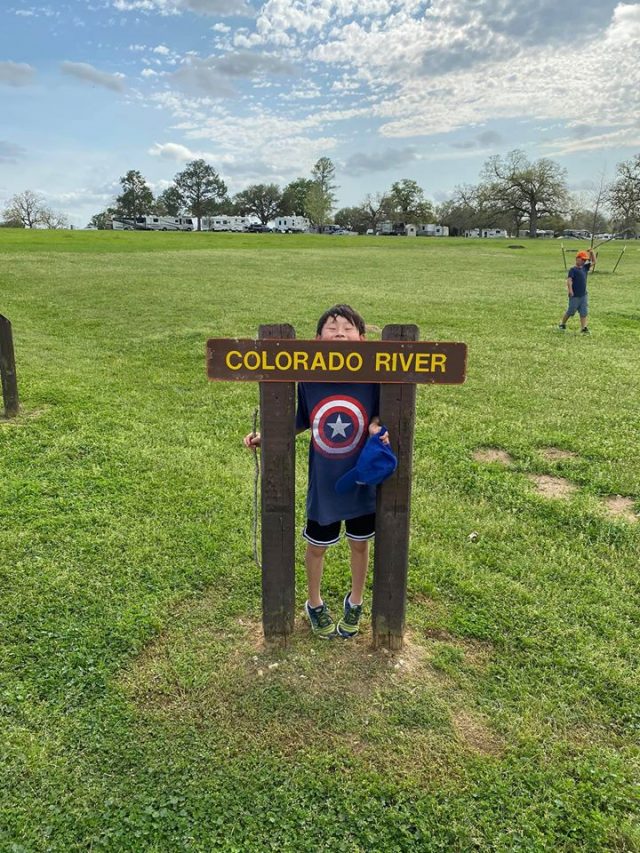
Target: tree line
512,193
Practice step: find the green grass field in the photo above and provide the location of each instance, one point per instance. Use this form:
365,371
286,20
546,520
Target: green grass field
139,708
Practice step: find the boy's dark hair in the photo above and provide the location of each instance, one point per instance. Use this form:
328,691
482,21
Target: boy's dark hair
345,311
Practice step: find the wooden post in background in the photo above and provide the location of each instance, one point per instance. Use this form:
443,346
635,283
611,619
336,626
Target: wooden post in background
8,369
277,454
390,568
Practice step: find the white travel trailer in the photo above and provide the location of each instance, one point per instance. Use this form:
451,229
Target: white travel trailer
486,232
164,223
432,230
292,224
224,222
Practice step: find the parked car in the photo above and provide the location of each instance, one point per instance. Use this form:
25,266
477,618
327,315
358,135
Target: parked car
256,228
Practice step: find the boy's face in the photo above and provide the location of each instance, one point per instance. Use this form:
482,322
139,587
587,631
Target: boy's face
339,329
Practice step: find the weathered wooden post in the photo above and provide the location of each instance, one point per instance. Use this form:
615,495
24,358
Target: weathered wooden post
278,474
8,369
393,508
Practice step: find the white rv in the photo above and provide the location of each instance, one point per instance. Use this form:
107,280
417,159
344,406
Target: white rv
486,232
224,222
291,224
164,223
119,223
432,230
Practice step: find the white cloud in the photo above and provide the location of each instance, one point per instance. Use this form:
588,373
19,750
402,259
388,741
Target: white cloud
172,151
16,73
177,7
88,74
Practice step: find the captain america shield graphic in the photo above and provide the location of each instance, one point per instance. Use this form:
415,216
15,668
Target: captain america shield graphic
338,426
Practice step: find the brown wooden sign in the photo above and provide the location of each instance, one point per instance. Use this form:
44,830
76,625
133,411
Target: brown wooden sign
270,360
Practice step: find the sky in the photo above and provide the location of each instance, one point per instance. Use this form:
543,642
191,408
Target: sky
388,89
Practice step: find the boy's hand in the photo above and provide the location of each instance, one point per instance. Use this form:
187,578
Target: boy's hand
252,440
375,427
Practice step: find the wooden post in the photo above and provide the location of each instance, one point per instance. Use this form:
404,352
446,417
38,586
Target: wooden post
8,369
390,568
277,427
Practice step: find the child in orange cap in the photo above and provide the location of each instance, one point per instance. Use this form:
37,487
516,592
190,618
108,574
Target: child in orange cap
577,291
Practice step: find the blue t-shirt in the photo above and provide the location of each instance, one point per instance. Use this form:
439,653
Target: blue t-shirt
338,414
578,276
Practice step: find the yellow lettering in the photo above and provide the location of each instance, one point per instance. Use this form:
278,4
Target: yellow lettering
354,362
300,360
336,361
265,362
438,360
233,352
422,362
394,361
383,360
252,357
318,362
405,360
288,360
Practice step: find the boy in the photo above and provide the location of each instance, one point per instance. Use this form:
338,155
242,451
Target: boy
577,290
341,417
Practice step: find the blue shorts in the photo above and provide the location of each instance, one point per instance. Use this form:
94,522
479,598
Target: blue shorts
579,304
360,528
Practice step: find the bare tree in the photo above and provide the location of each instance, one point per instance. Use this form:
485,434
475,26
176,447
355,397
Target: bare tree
26,207
52,219
624,195
524,190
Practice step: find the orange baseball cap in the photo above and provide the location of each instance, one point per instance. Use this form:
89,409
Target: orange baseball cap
583,255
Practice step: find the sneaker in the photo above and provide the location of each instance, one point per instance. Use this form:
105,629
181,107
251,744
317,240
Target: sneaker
348,624
321,621
562,327
585,331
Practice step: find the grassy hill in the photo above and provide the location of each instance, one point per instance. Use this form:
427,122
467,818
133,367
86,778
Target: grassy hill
140,709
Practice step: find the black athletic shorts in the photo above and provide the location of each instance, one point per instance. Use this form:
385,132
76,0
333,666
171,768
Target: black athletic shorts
363,527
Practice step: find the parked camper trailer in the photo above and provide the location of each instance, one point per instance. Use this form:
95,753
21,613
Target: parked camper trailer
291,224
224,222
432,230
486,232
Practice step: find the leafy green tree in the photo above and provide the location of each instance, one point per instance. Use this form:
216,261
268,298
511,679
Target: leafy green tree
103,219
294,197
524,190
169,202
318,205
624,195
324,174
407,203
261,200
352,218
201,188
136,198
